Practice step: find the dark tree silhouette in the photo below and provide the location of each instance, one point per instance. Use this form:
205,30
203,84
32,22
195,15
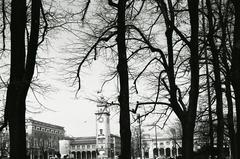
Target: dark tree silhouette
235,68
122,69
217,82
185,113
21,73
115,28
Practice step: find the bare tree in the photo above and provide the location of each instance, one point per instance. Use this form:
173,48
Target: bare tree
28,31
122,69
185,112
115,27
22,69
235,68
217,82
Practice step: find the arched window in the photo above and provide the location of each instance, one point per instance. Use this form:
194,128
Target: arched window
155,152
161,151
94,155
168,152
83,155
146,154
79,155
88,155
74,154
174,151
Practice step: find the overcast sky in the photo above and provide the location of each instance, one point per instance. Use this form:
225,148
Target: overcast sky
75,114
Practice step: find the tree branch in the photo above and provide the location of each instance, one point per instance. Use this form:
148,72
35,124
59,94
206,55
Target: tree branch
101,38
111,3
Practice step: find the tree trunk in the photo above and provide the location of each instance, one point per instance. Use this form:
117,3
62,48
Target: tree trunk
230,120
15,103
236,67
211,138
122,69
21,73
187,139
217,82
16,119
190,115
187,117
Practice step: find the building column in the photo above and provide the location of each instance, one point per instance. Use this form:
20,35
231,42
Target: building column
31,153
171,154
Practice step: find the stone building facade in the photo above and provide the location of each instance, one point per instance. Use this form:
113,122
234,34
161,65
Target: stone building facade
86,148
161,147
102,146
43,139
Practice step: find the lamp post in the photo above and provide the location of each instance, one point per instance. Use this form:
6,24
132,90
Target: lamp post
140,135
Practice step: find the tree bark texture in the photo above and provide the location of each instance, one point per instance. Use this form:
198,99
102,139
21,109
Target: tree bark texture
186,116
188,123
235,69
217,82
21,72
15,103
122,69
187,138
230,119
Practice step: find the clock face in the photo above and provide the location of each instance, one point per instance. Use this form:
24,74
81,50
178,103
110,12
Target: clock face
101,119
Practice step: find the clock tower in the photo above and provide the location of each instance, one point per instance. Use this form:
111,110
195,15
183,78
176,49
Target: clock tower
103,131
